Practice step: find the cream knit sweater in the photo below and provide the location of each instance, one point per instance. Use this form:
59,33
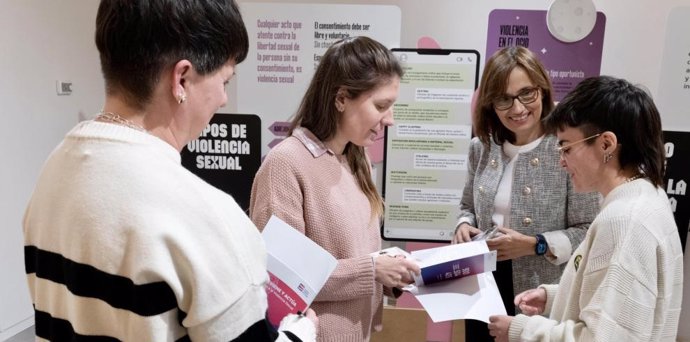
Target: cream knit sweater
124,243
624,282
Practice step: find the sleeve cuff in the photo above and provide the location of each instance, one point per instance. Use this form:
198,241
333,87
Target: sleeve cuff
551,291
516,327
367,282
532,328
559,246
464,220
299,327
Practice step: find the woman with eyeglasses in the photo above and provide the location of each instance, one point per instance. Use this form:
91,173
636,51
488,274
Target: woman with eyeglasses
515,183
624,281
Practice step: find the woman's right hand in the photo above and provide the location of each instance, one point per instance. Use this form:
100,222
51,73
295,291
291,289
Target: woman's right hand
531,302
464,233
395,271
305,326
311,315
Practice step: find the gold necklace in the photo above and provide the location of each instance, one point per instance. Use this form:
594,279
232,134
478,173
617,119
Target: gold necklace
116,118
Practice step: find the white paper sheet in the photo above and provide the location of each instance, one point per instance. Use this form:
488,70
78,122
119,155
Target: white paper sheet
473,297
313,264
297,267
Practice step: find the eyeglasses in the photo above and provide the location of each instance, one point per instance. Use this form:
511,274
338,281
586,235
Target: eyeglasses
563,150
526,96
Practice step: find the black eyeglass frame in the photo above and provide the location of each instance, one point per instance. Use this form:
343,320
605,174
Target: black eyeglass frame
526,96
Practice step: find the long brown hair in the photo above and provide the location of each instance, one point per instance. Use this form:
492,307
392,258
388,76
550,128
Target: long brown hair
352,66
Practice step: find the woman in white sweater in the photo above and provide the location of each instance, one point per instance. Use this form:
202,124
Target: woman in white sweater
624,282
122,243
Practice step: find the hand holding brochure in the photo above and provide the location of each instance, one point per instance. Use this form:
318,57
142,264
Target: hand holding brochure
456,281
447,262
297,267
453,261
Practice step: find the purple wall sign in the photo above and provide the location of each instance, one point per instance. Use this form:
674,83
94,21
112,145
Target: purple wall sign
566,63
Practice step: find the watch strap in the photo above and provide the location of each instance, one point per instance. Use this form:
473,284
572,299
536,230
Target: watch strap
542,246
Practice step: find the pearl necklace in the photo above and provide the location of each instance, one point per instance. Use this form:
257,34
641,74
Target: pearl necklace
630,179
117,119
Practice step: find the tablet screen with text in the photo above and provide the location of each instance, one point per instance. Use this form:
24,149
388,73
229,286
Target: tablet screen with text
425,154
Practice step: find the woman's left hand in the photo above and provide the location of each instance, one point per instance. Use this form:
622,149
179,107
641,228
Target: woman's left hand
511,244
499,326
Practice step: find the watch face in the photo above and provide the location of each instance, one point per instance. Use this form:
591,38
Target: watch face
541,245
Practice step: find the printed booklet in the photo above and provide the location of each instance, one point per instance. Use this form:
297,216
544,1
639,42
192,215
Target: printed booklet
297,268
453,261
455,282
448,262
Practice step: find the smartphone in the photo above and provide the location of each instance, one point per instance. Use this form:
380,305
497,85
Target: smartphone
489,234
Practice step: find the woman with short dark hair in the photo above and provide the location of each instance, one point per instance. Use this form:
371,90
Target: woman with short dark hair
122,243
625,281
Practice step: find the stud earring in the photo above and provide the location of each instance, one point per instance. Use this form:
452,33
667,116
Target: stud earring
181,98
607,157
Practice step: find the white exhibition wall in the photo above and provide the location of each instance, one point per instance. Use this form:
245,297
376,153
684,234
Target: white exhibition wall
46,41
41,42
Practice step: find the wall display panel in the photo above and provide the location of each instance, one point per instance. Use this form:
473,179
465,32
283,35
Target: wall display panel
566,63
287,42
673,96
425,160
